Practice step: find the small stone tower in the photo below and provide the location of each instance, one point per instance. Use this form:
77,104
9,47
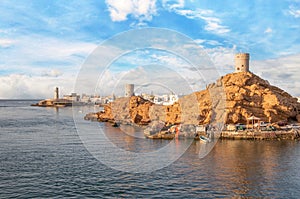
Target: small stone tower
241,62
56,93
129,90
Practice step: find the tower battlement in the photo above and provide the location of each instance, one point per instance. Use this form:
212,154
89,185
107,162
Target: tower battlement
241,62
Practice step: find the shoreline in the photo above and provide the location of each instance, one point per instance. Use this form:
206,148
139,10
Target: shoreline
237,135
292,134
250,134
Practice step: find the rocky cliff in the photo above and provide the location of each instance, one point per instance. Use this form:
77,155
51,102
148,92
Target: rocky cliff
232,98
248,94
127,110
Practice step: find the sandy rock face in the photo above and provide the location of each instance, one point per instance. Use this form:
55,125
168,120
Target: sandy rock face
127,110
232,99
248,94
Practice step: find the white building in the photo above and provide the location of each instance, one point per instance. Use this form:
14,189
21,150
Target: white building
170,99
165,99
157,100
73,97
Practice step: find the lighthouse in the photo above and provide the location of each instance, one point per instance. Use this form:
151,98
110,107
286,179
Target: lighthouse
56,93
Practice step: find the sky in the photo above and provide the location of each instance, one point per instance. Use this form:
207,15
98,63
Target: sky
44,44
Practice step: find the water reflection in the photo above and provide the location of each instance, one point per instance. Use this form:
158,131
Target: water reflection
42,156
249,168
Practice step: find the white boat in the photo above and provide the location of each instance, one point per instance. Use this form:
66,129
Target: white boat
204,139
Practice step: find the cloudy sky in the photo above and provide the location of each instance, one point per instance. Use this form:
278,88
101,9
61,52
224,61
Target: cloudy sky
45,43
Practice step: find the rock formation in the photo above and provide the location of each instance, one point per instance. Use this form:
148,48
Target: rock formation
248,94
235,96
127,110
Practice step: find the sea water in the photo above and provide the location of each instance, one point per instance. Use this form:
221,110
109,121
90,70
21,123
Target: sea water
42,155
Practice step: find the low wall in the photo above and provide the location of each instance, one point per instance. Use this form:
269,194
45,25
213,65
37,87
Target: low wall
261,135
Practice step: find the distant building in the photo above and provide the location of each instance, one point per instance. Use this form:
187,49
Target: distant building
157,100
129,90
242,62
96,99
73,97
148,97
85,98
165,99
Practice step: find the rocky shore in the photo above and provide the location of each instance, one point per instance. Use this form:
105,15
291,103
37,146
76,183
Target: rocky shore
231,99
245,95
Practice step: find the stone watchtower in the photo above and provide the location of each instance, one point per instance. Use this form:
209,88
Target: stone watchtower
129,90
241,62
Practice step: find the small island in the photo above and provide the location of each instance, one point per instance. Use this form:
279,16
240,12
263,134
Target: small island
253,109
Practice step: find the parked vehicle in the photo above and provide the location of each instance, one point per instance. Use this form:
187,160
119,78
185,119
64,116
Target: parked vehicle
261,124
293,126
240,126
269,128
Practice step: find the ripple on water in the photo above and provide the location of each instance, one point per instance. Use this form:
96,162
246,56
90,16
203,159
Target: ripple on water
42,156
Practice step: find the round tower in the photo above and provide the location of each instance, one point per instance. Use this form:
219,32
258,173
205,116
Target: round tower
129,90
241,62
56,93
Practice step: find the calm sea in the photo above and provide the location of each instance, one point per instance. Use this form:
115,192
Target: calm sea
43,156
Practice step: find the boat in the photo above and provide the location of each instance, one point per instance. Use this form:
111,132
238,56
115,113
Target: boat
204,139
115,124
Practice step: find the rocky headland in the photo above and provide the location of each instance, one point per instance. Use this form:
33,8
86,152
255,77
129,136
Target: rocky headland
238,96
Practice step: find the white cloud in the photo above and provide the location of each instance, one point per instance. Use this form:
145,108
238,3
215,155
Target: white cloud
16,86
52,48
294,12
282,72
194,14
52,73
36,64
173,4
213,24
169,60
4,43
35,53
222,58
208,42
268,30
142,10
199,41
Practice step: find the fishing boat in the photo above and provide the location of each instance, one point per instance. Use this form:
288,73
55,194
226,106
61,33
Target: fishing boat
204,139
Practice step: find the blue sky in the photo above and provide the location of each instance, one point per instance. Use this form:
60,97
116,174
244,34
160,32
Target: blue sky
43,44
